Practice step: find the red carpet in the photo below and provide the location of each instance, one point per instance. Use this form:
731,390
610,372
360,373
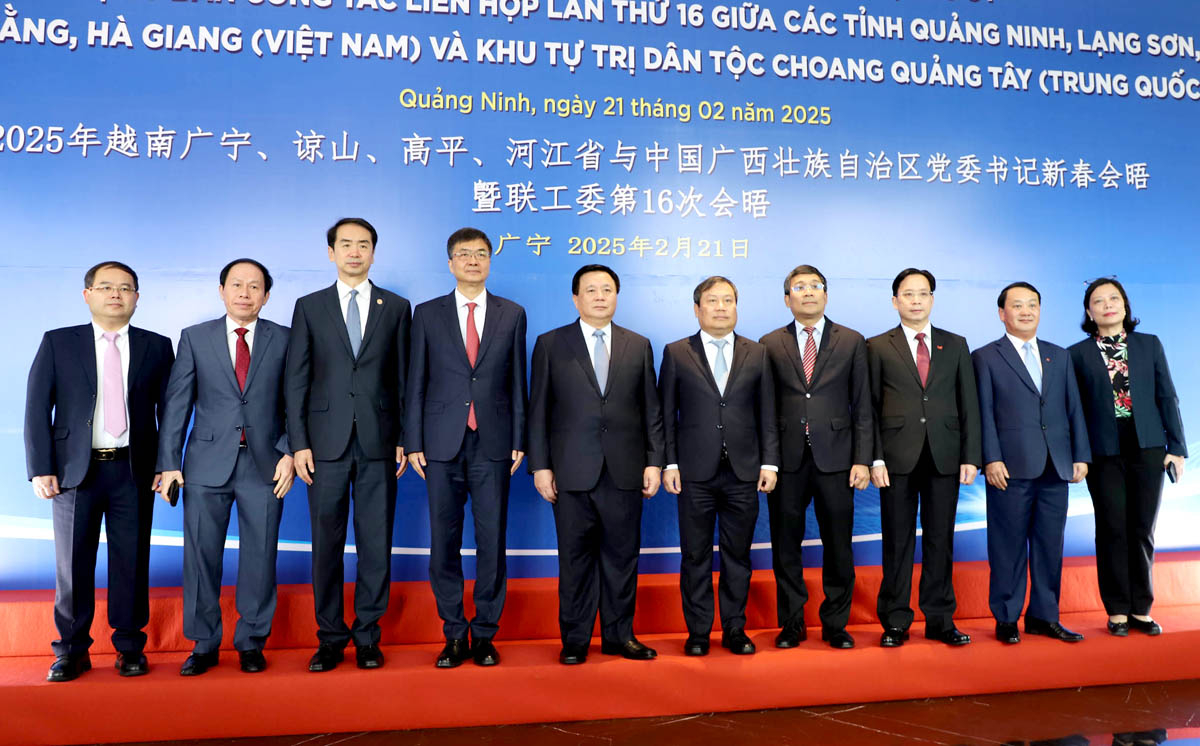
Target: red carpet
530,686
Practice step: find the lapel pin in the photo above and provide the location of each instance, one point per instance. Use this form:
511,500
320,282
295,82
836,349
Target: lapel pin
1047,359
379,301
938,346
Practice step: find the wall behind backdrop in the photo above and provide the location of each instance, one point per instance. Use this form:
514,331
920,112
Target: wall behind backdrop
986,141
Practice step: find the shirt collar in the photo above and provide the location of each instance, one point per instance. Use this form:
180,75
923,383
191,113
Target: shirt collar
706,338
231,325
98,333
588,329
1019,343
819,327
363,288
461,300
911,334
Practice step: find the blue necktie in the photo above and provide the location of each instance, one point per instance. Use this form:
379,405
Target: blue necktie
1031,363
720,367
354,323
600,356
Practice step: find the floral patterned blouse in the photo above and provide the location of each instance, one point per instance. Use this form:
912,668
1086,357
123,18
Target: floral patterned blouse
1116,356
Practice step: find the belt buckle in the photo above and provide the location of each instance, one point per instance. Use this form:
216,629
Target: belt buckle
104,454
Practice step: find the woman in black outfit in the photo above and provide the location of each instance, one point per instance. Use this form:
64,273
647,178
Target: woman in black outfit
1136,433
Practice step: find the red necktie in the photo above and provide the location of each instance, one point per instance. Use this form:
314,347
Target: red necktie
810,354
241,363
922,359
472,354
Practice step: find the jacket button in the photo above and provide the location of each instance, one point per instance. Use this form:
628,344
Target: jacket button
924,398
1043,427
89,423
351,394
722,404
720,427
466,404
808,396
474,378
245,402
604,429
922,420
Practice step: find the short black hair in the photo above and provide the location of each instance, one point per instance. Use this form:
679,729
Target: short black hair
462,235
1022,284
331,234
906,273
708,284
90,276
267,281
593,268
1090,327
803,269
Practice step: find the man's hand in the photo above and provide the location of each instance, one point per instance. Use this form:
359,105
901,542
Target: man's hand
1078,472
401,462
879,476
860,476
302,462
517,457
157,482
1178,461
670,481
417,460
651,479
543,482
285,473
967,473
996,474
168,478
45,487
767,480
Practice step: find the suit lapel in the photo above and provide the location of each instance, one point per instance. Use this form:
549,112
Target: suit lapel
1009,353
220,350
900,343
741,348
792,345
87,353
375,306
493,314
137,353
696,345
829,341
620,346
264,335
333,307
577,346
448,315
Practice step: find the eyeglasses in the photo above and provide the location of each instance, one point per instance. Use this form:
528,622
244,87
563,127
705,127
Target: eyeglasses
479,254
815,286
916,295
107,289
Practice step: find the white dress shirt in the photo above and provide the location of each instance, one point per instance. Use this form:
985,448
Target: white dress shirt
100,437
590,341
1019,344
911,335
363,299
231,337
802,336
480,302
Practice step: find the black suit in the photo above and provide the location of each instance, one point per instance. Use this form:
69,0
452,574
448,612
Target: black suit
598,443
720,441
348,410
441,386
1126,476
923,434
59,408
826,426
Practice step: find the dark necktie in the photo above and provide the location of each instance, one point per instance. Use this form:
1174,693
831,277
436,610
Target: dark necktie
922,359
241,363
472,354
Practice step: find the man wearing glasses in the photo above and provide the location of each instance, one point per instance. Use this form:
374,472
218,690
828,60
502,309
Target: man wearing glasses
464,434
95,399
826,429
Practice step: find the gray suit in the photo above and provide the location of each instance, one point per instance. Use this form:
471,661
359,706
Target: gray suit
220,468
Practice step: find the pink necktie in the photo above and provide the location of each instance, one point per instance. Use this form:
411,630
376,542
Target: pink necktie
472,354
114,388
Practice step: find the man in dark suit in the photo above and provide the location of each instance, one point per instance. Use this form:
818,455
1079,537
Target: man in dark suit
926,444
826,429
722,450
1034,442
595,451
464,433
346,365
229,373
92,410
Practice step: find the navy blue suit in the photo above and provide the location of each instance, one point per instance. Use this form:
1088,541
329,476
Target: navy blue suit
442,383
219,470
59,407
1038,436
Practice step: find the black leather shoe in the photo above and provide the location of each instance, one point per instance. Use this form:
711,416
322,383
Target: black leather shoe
1007,633
696,645
1118,629
951,636
573,655
485,653
454,654
838,638
326,658
1150,628
737,642
791,635
69,667
893,637
631,649
132,665
1035,626
368,656
252,661
198,663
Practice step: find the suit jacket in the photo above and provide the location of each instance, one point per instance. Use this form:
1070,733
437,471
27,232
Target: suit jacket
698,420
945,411
836,405
331,392
61,400
1020,426
578,430
203,379
1155,405
442,383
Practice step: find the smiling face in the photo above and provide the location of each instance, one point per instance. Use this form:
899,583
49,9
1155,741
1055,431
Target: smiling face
597,298
244,293
717,309
112,298
914,301
470,262
1021,312
1107,309
806,298
353,253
